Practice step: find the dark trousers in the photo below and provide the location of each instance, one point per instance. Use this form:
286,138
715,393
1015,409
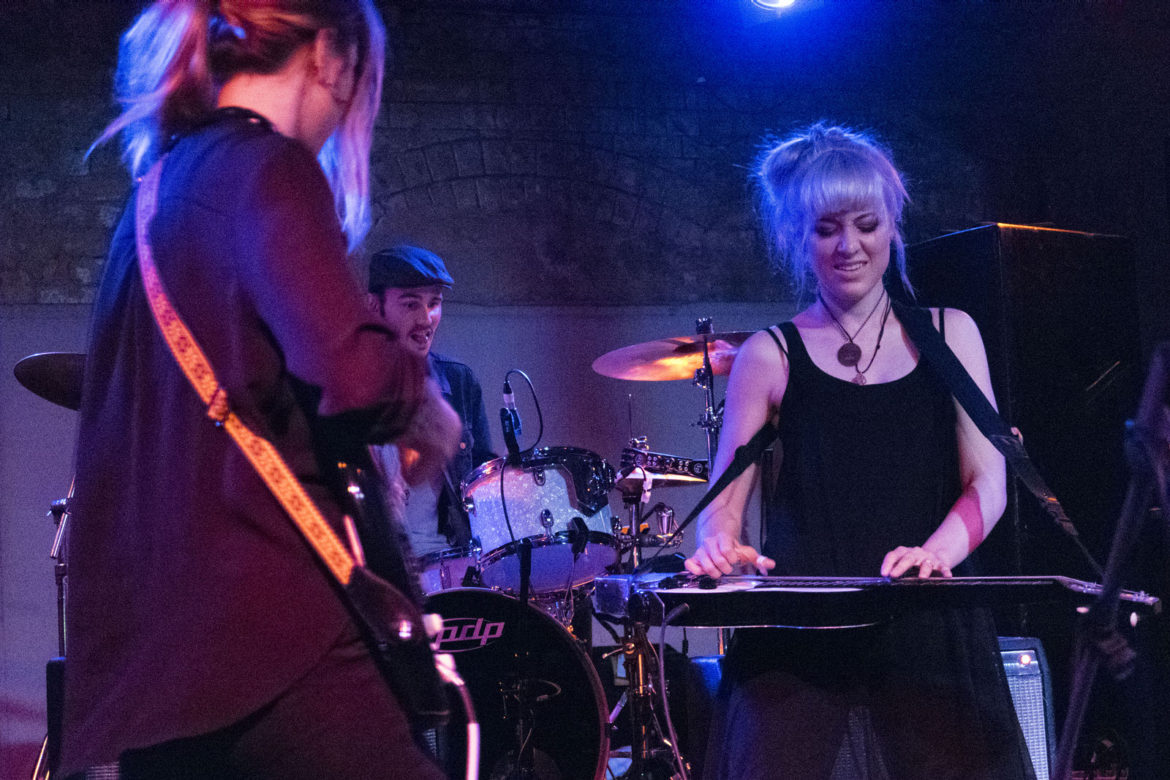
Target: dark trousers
339,720
922,698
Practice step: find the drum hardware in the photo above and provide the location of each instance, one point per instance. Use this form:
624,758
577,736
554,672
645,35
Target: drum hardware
636,483
59,510
668,470
712,419
653,755
654,752
451,567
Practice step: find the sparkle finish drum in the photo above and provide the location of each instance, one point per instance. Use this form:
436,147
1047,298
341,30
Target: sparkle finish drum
557,498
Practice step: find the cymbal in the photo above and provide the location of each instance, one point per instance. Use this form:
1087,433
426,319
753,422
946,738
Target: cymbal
631,481
54,376
672,358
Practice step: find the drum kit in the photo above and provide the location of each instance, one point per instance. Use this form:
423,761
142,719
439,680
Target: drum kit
511,601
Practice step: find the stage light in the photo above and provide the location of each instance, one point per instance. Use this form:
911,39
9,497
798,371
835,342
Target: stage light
773,5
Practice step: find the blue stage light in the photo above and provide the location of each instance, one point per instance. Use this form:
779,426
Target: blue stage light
773,5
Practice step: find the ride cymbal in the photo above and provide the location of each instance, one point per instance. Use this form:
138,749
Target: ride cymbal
54,376
672,358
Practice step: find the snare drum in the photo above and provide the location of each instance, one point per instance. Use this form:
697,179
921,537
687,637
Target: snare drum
447,568
542,496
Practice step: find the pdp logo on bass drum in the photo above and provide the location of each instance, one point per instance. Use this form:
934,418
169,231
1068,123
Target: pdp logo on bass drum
460,635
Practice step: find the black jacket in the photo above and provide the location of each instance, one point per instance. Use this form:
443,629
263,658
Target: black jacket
193,599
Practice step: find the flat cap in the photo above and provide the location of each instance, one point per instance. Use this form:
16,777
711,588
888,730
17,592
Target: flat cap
407,266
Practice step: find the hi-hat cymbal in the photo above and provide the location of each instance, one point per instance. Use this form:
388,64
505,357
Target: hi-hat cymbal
634,481
54,376
673,358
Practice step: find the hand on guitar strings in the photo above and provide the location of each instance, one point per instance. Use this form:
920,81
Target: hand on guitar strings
901,560
722,553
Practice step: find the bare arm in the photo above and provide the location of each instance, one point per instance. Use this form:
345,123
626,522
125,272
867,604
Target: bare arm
981,472
754,391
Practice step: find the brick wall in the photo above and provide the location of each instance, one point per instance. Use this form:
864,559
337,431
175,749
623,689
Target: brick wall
597,152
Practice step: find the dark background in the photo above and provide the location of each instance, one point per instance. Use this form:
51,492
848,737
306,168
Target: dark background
592,157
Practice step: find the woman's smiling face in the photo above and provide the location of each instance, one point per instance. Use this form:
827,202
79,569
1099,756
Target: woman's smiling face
850,252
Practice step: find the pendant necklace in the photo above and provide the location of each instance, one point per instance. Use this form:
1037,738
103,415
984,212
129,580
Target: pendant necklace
850,354
859,377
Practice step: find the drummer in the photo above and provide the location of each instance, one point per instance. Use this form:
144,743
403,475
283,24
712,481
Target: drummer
406,289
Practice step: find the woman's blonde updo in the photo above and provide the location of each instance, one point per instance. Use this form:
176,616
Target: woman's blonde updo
825,169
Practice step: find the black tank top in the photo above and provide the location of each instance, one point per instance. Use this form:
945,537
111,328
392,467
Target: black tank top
864,468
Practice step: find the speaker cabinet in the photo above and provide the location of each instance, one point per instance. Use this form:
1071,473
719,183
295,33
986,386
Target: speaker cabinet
1028,679
1058,314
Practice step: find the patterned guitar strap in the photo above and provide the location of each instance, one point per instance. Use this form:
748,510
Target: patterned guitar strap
393,621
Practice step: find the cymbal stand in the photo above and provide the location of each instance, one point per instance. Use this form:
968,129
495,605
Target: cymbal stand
711,422
652,755
59,510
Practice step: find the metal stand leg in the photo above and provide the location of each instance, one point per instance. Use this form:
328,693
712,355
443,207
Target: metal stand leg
652,756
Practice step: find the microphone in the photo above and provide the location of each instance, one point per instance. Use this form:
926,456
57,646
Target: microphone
510,405
510,423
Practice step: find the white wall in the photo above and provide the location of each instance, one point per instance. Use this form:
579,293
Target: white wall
36,453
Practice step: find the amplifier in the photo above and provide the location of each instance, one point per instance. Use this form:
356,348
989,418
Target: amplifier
1026,667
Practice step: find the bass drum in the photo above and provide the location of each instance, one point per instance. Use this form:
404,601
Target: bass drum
531,683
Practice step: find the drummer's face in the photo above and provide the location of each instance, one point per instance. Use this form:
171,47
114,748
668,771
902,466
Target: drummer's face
413,313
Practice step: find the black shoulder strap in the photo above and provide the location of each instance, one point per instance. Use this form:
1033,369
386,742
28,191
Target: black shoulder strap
934,350
779,345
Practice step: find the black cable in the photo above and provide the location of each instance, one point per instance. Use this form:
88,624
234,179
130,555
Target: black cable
604,623
667,619
503,501
539,436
